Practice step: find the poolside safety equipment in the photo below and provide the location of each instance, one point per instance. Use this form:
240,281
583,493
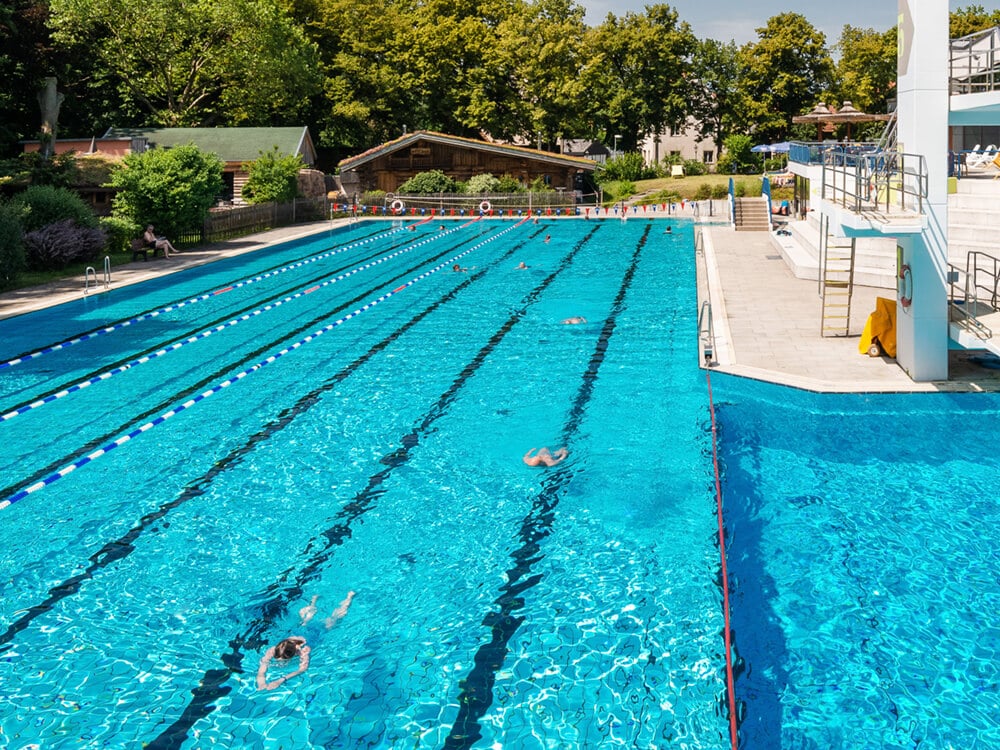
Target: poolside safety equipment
905,285
397,206
485,207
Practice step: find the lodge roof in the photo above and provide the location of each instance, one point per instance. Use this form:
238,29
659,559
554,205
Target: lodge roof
408,139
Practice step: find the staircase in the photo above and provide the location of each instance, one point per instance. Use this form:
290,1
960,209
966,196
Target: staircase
751,215
973,219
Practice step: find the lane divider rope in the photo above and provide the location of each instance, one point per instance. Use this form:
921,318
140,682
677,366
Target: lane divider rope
200,298
70,468
208,332
727,629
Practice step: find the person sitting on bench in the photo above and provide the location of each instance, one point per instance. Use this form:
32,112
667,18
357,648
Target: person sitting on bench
158,243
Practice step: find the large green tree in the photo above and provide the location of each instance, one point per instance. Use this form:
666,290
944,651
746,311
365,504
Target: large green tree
531,85
637,73
866,70
715,96
783,74
198,62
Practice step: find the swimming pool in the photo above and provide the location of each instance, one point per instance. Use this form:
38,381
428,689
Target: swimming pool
497,605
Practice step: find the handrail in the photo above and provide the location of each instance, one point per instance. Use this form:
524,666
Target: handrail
107,271
989,272
974,64
765,190
86,279
706,332
887,181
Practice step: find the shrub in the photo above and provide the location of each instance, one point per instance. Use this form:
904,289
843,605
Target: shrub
273,177
630,166
720,191
172,189
11,245
120,233
59,170
482,183
727,164
428,183
704,192
43,205
55,246
618,190
510,184
694,168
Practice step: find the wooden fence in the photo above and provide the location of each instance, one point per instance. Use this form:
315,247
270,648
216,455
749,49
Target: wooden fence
226,223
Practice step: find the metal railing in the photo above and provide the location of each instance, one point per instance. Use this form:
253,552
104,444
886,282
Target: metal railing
975,62
872,180
980,290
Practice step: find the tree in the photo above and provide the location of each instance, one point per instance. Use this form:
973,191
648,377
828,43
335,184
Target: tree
530,86
965,21
172,189
715,90
273,177
866,70
636,73
783,74
199,62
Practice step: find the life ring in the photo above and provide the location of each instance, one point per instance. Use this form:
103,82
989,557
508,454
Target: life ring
905,285
397,206
485,207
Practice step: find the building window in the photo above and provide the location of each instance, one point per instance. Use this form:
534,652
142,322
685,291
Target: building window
708,157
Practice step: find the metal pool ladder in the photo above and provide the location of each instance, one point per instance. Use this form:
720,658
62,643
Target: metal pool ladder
90,271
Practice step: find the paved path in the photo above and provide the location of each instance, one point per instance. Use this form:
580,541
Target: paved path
65,290
767,325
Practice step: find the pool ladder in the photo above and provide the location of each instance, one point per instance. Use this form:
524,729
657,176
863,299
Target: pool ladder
91,272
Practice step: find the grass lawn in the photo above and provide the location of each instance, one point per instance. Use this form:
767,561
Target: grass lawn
700,187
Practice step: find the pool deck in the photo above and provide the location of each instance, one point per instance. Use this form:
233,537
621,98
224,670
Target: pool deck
767,321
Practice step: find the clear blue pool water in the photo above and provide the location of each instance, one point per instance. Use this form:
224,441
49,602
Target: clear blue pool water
497,605
864,567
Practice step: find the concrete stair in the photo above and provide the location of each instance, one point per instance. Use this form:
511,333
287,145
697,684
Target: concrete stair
973,219
751,215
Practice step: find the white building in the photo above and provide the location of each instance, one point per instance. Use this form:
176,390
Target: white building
684,143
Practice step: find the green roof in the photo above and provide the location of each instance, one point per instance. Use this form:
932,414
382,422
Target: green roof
229,144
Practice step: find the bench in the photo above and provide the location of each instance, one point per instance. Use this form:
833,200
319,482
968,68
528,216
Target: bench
143,248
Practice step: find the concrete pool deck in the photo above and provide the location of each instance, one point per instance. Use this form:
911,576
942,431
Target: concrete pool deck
767,321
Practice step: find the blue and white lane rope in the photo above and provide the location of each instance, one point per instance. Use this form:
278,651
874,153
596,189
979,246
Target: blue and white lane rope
209,331
70,468
177,306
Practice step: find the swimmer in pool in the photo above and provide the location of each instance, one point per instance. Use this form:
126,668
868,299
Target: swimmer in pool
296,645
575,320
520,266
544,458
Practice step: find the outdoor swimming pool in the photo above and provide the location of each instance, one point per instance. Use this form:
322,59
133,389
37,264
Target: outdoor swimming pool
498,606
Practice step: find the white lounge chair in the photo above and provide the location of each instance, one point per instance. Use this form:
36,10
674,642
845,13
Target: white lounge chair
983,158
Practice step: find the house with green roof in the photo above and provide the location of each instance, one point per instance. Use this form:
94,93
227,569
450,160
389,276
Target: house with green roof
234,146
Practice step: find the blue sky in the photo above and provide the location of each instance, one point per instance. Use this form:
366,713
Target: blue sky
737,19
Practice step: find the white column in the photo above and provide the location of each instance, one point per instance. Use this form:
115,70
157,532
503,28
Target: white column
922,128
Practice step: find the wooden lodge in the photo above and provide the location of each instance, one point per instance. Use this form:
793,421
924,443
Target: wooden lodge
388,166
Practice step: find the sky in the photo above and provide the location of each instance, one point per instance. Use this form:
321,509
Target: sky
737,19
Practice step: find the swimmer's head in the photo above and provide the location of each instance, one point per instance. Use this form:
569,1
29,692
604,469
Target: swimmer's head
289,647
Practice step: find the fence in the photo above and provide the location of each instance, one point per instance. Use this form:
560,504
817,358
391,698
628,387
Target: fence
444,202
226,223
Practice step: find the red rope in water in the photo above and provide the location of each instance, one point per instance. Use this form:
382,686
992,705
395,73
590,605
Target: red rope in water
727,632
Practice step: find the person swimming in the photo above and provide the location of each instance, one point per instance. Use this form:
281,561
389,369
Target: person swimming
544,457
575,320
296,645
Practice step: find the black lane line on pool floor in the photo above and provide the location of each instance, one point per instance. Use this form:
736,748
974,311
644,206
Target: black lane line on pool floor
199,329
211,686
125,545
477,688
97,442
177,304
